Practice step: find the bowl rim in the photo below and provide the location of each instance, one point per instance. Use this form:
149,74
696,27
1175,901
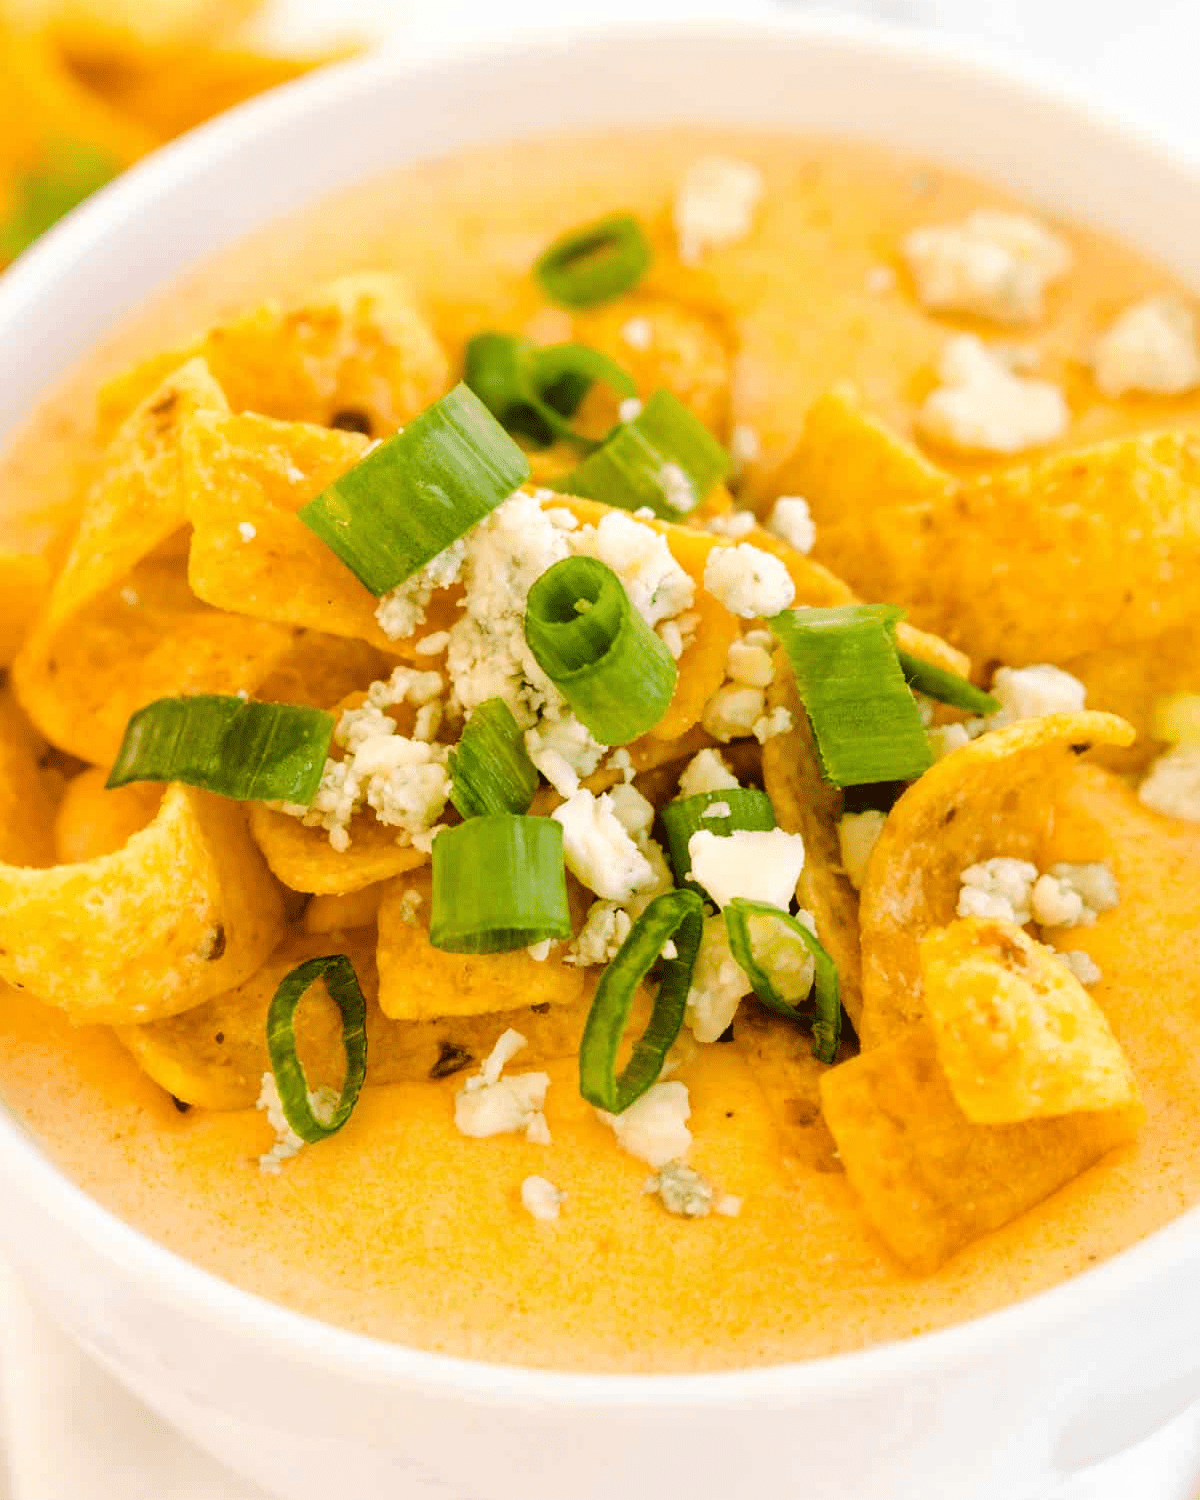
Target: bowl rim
307,1340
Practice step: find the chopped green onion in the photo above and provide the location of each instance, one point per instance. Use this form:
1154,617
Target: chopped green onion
316,1124
75,171
535,391
677,916
490,768
594,263
748,809
665,459
418,491
498,883
865,721
252,752
947,687
598,651
827,1021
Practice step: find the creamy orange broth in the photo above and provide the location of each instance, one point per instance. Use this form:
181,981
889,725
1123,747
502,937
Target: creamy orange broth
402,1227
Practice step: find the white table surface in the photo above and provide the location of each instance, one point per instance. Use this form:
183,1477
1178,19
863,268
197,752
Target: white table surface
67,1432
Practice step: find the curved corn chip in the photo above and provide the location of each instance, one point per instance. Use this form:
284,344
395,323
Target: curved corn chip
94,820
357,350
344,913
24,584
929,1180
994,796
117,31
805,803
321,670
215,1055
26,807
184,910
304,859
420,982
1017,1035
848,463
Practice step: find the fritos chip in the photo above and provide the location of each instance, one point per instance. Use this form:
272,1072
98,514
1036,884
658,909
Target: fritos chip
215,1055
24,584
114,30
418,981
1130,681
94,820
304,859
1018,1036
848,463
26,808
183,911
358,353
928,1179
320,670
357,909
780,1057
805,803
993,797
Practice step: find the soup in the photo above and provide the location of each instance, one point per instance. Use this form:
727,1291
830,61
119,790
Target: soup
934,398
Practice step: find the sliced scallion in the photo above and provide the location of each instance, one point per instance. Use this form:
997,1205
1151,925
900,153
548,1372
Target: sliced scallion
535,391
678,917
72,173
665,459
418,491
598,651
750,954
252,752
865,721
498,883
947,687
490,768
748,809
311,1123
594,263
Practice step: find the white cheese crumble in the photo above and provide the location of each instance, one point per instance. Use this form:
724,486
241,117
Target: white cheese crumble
433,645
563,750
323,1102
981,406
748,581
1172,785
732,712
247,530
767,726
759,865
1073,895
858,833
599,940
946,738
715,205
654,1127
1000,889
630,409
542,1199
490,1104
791,521
719,984
717,810
400,612
657,586
634,812
1033,693
734,525
1081,964
410,907
405,782
682,1190
749,664
598,850
707,771
130,597
995,264
1151,347
677,489
638,333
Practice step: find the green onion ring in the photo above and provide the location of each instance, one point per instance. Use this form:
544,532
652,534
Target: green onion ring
947,687
342,983
490,768
251,752
595,262
534,392
827,1023
675,916
610,666
499,883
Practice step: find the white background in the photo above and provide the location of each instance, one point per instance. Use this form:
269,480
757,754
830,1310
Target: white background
65,1432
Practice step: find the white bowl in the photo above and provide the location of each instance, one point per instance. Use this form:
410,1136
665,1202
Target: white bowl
1001,1407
